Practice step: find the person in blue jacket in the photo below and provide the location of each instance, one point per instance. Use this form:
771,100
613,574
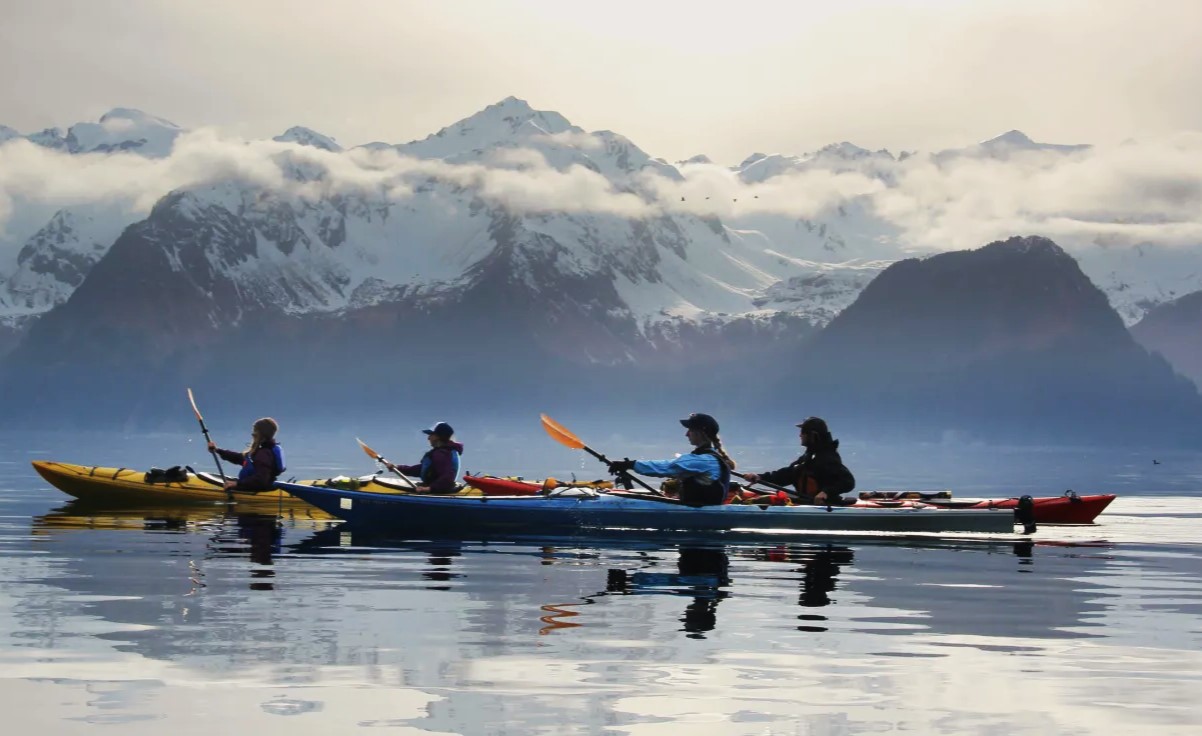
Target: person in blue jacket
262,461
704,473
438,469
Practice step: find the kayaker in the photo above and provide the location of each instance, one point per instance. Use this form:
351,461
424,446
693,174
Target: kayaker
704,473
819,475
262,462
438,470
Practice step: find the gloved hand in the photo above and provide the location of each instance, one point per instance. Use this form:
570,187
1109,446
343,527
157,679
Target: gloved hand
617,467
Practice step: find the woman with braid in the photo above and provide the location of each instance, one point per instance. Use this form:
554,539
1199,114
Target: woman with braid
704,473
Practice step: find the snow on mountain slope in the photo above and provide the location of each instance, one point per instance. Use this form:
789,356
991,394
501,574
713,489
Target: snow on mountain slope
58,257
123,129
120,129
824,292
504,123
46,249
298,256
851,231
1141,277
307,137
329,248
836,158
1013,142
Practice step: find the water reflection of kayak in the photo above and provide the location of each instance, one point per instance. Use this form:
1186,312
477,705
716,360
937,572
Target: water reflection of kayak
78,514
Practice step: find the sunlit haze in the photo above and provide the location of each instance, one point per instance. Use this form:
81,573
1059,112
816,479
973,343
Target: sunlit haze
677,79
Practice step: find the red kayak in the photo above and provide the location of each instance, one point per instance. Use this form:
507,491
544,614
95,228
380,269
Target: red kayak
1067,509
491,485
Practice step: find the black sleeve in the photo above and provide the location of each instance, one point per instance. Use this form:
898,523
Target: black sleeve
831,474
785,476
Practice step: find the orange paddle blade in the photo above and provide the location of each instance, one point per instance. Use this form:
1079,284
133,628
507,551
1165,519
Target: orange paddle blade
193,402
560,434
370,452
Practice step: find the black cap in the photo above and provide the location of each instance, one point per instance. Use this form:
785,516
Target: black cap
442,429
814,424
704,422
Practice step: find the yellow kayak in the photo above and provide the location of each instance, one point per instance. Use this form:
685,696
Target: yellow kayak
126,486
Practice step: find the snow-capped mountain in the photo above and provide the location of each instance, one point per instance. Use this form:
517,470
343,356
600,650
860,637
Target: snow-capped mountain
1007,144
120,129
356,250
307,137
58,257
47,250
507,122
837,158
1139,278
457,250
353,250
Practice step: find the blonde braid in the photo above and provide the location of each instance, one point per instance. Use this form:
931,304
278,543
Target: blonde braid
717,443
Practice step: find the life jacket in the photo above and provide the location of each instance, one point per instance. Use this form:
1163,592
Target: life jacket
277,456
807,485
427,471
696,492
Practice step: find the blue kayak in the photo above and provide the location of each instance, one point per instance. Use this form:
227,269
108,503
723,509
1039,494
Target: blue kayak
582,508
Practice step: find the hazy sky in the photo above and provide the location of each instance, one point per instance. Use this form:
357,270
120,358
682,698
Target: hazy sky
678,78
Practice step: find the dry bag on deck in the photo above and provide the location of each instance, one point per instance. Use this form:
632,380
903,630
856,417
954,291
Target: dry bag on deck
174,474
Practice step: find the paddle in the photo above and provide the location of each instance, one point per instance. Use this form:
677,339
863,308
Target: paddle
787,491
205,431
560,434
380,459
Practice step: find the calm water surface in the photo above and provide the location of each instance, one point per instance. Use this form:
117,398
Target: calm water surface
210,621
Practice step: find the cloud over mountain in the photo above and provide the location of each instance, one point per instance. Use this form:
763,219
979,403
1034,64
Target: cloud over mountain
1139,192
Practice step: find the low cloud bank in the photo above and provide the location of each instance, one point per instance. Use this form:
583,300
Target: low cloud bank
1140,192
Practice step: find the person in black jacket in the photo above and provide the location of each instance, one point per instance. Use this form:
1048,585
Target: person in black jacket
819,475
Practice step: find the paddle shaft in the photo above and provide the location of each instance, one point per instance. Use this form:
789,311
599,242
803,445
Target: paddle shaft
605,460
788,492
766,484
205,431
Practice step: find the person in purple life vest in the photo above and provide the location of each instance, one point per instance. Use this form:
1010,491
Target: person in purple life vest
438,470
262,461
